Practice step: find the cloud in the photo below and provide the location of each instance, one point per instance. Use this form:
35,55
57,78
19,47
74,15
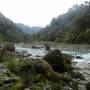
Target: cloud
35,12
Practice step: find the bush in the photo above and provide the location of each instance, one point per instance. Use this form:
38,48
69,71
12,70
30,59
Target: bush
32,68
67,58
5,51
9,47
42,67
12,63
67,61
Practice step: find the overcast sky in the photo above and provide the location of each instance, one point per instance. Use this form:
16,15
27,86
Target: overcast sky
35,12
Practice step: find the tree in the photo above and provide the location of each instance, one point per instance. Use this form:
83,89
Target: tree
87,35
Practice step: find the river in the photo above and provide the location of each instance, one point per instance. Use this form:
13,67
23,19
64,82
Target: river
41,52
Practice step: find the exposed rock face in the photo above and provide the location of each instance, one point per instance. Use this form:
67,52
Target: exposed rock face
55,58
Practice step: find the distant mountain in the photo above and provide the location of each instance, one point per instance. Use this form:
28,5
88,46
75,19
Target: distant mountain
27,29
10,32
71,27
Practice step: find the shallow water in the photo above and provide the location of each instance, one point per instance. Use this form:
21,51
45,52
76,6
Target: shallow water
40,52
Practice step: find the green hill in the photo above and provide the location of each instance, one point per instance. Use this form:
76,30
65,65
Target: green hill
10,32
71,27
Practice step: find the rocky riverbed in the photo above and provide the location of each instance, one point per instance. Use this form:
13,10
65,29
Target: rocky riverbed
84,68
81,65
36,68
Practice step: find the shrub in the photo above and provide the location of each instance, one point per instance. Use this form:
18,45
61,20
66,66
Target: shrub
12,63
67,58
9,47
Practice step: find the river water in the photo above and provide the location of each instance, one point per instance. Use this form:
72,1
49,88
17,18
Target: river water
41,52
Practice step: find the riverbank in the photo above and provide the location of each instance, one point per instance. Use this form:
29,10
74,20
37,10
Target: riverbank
84,68
23,68
61,46
80,65
18,71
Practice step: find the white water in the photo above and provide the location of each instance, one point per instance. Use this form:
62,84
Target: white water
42,52
34,52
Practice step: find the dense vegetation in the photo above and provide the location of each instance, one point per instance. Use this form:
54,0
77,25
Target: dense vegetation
10,32
71,27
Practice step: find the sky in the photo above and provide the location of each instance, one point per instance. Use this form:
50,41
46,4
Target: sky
35,12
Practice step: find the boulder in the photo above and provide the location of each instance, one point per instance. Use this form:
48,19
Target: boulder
55,59
42,67
38,56
35,66
88,85
79,57
37,47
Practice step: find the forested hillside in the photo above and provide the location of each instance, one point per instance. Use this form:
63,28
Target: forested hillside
10,32
71,27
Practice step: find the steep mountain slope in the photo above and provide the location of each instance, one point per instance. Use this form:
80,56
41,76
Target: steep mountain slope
70,27
27,29
10,32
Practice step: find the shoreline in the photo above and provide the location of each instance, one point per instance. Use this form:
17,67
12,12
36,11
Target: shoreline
61,46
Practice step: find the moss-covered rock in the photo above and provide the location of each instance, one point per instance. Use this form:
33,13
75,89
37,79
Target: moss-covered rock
55,59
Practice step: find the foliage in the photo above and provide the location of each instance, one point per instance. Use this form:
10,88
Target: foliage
10,32
9,47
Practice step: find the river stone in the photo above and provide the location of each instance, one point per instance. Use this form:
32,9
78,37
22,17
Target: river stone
79,57
37,47
55,59
77,75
